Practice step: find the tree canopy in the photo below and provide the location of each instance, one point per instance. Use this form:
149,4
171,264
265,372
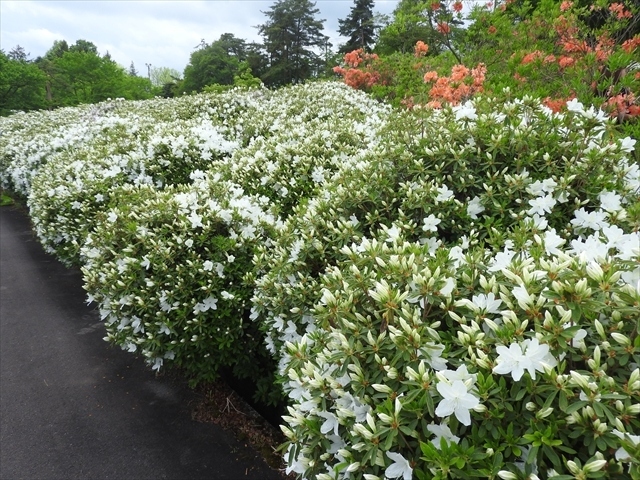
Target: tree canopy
293,41
215,63
359,27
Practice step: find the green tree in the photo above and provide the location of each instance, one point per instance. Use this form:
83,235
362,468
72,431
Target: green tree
85,46
293,40
78,74
59,48
132,70
215,63
22,83
359,27
427,20
163,75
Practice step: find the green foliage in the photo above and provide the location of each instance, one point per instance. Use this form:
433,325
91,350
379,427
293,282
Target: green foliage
65,76
22,85
420,20
215,63
244,79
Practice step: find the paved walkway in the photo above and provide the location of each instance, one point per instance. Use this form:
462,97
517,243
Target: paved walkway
71,406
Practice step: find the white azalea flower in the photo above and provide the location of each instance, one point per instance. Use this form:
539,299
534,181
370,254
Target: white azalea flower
399,468
465,111
457,400
621,454
487,303
627,144
330,423
444,194
529,355
501,261
442,431
595,220
610,201
552,241
430,223
541,205
474,207
209,303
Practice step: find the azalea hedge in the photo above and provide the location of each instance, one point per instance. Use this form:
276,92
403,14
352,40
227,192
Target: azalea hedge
436,293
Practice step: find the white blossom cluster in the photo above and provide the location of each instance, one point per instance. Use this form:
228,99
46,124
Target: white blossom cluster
442,291
502,244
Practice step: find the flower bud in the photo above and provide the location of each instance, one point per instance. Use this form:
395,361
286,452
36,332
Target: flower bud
353,467
621,339
594,270
544,413
580,380
581,287
379,387
634,409
573,467
599,328
506,475
532,407
594,466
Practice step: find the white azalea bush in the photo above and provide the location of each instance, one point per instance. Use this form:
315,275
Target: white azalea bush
453,307
309,133
73,185
167,269
445,293
106,261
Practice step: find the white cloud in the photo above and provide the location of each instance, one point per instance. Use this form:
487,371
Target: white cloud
162,33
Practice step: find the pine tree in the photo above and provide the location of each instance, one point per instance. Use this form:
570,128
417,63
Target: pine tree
132,70
359,27
290,35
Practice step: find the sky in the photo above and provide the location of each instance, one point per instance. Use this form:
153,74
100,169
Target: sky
159,33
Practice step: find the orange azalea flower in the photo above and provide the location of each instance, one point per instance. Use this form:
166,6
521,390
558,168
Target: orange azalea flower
519,78
421,49
457,6
530,57
443,27
619,11
458,72
430,76
492,30
565,62
631,44
566,5
556,105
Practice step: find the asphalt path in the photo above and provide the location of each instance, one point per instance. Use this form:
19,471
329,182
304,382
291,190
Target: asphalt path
73,407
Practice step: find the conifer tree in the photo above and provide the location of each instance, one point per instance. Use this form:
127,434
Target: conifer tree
359,27
293,41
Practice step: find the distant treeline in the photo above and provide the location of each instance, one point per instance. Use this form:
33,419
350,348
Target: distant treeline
294,49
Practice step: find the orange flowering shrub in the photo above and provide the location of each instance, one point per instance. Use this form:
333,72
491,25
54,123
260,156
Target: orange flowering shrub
421,49
461,85
358,79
